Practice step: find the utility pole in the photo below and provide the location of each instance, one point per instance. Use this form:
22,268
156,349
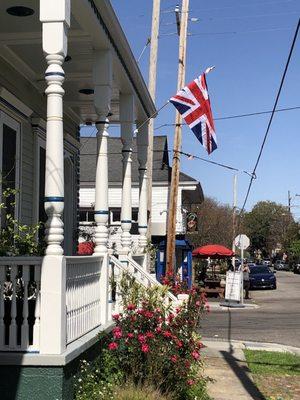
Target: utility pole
234,216
152,90
171,227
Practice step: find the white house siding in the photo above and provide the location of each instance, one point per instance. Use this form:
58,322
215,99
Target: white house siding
159,205
27,174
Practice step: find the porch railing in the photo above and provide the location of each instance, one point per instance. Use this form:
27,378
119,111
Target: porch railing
82,295
20,280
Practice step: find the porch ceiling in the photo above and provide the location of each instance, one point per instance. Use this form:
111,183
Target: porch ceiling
20,43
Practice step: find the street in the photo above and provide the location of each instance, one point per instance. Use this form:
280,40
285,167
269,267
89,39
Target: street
277,319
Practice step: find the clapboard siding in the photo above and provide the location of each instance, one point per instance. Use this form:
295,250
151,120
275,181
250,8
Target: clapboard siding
27,174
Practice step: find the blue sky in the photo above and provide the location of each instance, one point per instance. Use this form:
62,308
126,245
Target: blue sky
249,64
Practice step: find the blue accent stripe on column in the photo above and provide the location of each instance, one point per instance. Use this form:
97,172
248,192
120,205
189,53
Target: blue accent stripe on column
54,199
101,212
54,73
126,221
143,226
142,169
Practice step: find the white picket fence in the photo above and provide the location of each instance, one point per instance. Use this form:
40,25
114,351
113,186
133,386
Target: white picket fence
20,279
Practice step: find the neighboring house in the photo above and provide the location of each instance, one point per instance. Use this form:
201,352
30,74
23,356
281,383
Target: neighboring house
62,64
190,191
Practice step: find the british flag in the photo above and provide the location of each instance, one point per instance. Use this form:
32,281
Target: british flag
193,104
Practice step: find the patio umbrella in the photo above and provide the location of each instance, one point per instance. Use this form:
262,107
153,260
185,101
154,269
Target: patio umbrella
213,251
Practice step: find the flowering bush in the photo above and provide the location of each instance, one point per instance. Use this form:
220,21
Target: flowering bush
85,248
156,344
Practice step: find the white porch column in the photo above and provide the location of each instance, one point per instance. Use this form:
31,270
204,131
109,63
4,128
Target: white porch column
102,75
127,128
142,148
55,18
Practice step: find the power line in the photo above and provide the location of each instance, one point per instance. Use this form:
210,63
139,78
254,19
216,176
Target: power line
271,117
241,115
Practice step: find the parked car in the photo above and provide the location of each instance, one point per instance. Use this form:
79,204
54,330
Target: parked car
296,269
281,266
267,262
261,277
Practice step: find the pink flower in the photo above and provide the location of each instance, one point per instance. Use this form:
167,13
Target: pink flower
113,346
141,338
131,307
174,358
150,335
179,343
145,348
158,310
198,303
140,312
171,317
148,314
190,382
167,334
116,317
158,329
117,332
130,335
195,355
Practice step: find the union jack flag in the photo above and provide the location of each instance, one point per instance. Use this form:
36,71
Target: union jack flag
193,104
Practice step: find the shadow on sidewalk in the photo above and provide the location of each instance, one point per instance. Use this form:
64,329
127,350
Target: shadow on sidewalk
239,367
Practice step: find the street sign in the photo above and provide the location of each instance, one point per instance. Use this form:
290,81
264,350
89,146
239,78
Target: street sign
242,242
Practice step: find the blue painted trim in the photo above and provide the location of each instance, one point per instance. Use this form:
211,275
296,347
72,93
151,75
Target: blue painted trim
54,199
126,151
54,73
126,221
124,261
143,226
101,212
142,169
102,122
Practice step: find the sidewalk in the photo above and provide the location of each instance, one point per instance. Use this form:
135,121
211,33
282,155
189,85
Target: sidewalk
225,364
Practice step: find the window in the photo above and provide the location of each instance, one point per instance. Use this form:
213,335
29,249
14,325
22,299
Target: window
9,163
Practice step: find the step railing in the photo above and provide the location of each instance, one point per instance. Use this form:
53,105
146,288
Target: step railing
141,276
20,280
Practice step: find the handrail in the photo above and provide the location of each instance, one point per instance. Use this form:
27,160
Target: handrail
120,265
147,276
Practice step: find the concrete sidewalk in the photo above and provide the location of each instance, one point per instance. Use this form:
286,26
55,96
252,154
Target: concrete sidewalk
225,364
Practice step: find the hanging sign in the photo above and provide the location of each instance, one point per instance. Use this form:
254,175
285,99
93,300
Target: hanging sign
192,222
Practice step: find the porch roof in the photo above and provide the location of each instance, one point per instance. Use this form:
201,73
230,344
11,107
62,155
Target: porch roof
94,25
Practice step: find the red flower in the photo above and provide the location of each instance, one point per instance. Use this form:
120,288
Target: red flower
167,334
150,335
148,314
190,382
179,343
113,346
131,307
145,348
140,312
85,248
141,338
130,335
158,329
174,358
195,355
117,332
116,317
171,317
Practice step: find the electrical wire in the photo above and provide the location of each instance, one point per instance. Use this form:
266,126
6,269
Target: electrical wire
239,116
270,120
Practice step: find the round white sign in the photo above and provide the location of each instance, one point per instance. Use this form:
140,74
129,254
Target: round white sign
242,242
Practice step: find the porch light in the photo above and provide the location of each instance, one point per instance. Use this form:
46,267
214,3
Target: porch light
20,11
86,91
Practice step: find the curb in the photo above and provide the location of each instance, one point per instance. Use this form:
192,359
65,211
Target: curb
245,344
224,307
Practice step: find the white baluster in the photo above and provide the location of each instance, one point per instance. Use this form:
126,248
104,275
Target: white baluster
13,313
2,326
25,326
37,310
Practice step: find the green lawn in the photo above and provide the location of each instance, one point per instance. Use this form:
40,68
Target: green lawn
272,363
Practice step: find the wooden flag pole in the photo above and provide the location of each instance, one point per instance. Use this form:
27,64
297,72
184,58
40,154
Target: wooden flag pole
171,226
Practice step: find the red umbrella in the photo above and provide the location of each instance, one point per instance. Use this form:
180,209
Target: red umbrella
213,250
